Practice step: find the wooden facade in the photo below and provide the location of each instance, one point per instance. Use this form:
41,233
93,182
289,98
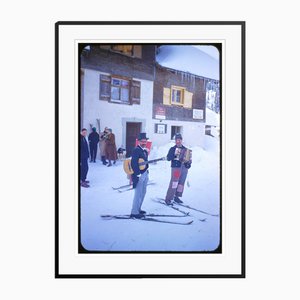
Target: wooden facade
141,64
124,87
193,91
104,59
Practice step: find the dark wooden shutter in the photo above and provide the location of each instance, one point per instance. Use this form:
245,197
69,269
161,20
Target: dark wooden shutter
135,92
105,87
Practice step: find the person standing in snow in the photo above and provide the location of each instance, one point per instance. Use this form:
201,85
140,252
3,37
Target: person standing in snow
84,156
103,136
179,171
110,147
139,177
93,141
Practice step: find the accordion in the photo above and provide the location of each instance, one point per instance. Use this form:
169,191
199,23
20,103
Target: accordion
185,155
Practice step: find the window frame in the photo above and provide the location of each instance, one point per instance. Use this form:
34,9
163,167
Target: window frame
122,52
182,90
136,51
128,102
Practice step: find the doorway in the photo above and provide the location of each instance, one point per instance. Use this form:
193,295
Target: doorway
132,131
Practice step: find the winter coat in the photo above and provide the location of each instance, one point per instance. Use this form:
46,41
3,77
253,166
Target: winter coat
175,163
84,148
102,144
138,153
93,138
110,147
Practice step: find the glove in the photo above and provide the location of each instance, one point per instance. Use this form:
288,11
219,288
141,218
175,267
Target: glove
187,165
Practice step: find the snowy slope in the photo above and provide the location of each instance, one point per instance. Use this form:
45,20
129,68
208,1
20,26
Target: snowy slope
188,59
136,235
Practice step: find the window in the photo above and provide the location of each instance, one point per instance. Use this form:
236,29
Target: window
120,89
160,128
124,49
174,130
128,50
177,95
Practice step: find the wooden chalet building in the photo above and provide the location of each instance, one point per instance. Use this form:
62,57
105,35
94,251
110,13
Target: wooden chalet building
127,90
179,105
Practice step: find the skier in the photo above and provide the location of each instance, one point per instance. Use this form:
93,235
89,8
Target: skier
139,177
179,170
93,141
84,156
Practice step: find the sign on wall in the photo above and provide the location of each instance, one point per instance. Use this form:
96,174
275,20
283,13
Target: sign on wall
160,128
198,114
160,112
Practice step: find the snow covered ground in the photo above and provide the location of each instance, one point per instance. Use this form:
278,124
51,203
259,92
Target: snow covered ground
202,191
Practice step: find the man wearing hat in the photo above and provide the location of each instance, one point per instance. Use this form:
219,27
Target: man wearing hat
139,177
93,140
179,170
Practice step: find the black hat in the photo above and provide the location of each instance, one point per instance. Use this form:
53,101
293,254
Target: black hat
142,136
94,129
178,136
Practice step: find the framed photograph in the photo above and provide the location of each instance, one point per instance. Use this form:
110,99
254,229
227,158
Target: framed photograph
150,149
161,128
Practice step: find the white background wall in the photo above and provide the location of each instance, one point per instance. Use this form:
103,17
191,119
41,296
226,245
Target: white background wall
27,190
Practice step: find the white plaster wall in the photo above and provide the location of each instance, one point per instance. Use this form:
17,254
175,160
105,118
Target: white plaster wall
192,133
113,114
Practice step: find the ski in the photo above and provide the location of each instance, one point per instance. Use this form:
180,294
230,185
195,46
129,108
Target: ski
151,220
162,201
196,209
146,215
127,186
122,190
121,187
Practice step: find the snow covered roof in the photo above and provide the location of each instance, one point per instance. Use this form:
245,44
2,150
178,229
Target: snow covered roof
210,50
190,59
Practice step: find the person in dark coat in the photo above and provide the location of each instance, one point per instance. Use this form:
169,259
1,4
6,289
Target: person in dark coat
84,156
179,170
110,147
139,177
93,140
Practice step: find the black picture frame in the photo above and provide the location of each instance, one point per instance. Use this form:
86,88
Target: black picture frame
242,274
